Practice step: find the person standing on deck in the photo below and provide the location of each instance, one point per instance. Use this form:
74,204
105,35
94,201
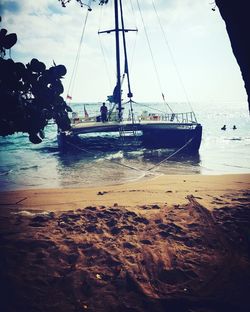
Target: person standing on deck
104,112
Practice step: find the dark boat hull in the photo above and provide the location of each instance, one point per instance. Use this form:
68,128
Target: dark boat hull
186,137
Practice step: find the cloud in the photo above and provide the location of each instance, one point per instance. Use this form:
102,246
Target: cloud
40,29
196,35
9,6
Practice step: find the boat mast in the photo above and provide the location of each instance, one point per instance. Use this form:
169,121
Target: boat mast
119,19
118,63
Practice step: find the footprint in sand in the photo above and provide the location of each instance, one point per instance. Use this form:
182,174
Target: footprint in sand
146,242
128,245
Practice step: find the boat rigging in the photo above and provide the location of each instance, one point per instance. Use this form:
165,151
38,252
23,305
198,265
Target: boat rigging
165,130
117,98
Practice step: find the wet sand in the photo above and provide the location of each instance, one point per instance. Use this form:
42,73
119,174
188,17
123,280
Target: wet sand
171,243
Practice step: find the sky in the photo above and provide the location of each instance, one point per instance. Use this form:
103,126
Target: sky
185,52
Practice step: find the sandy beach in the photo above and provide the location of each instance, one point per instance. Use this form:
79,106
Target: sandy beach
167,243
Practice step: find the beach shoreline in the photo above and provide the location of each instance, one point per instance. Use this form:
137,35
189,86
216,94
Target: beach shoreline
171,243
170,189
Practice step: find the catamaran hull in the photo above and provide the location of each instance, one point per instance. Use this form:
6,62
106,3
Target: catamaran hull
189,139
186,137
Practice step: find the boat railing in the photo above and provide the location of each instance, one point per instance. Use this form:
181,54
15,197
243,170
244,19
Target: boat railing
188,117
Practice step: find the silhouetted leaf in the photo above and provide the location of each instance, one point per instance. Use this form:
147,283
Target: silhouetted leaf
30,95
9,41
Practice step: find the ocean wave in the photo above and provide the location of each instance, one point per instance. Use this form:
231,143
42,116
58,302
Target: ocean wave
235,166
48,149
29,167
4,173
234,139
118,155
6,142
31,214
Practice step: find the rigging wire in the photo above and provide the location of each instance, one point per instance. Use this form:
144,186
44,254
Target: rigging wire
133,12
105,62
136,27
102,49
133,45
145,105
133,49
126,69
172,56
74,73
152,56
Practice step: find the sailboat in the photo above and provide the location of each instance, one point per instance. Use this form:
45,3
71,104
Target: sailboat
165,130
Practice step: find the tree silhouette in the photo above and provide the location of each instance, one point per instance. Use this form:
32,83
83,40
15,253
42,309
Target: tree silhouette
236,17
30,94
81,2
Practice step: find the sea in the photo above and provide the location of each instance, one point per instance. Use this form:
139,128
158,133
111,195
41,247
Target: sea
24,165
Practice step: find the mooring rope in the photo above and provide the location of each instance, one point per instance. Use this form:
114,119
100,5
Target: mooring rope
134,168
176,152
110,160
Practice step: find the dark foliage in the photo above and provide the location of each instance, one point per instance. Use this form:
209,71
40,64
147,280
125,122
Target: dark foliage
30,94
236,17
81,2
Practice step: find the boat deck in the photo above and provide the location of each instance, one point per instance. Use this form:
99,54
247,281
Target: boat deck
112,126
170,130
